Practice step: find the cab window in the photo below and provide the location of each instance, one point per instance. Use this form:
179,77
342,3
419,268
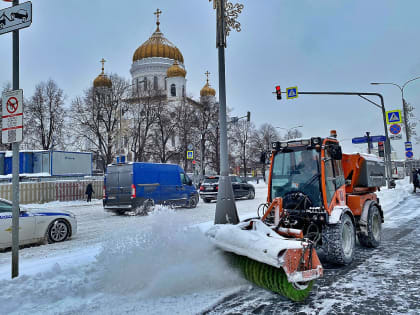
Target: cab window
185,180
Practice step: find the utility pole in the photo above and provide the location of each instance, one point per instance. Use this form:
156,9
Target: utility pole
225,208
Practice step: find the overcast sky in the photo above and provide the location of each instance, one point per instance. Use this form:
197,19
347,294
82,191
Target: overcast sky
323,45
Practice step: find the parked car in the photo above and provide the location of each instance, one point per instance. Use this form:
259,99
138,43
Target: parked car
36,225
139,186
241,189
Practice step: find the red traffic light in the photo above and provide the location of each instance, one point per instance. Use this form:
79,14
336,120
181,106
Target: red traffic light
193,162
278,92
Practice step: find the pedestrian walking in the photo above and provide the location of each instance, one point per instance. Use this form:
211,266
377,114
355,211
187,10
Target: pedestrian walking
416,182
89,192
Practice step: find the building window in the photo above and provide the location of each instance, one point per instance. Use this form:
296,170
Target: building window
183,91
166,87
155,83
173,140
145,82
173,90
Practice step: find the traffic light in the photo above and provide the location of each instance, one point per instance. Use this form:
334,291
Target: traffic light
248,116
278,92
381,150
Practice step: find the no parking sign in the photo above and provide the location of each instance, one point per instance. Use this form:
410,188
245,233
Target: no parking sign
12,117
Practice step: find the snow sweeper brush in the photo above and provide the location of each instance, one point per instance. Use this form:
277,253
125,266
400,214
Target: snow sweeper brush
277,259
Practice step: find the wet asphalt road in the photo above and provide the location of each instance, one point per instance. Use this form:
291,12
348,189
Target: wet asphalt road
385,280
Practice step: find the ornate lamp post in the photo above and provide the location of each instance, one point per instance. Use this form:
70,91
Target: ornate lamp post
226,15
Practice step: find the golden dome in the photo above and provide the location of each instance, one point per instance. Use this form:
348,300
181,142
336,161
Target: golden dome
158,46
207,90
102,80
175,71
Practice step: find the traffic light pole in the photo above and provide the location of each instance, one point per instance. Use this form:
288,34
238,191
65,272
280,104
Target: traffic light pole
382,107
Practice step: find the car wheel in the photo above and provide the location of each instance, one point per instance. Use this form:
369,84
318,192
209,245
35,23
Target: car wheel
58,231
251,194
192,202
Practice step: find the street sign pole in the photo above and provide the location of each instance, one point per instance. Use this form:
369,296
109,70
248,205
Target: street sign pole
15,164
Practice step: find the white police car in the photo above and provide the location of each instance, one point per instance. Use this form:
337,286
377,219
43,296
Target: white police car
36,225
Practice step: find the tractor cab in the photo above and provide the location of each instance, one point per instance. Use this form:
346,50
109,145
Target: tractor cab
307,174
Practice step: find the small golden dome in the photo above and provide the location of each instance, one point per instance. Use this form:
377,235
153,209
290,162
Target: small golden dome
102,80
175,71
207,90
158,46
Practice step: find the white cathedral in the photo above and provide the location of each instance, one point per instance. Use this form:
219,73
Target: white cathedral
159,65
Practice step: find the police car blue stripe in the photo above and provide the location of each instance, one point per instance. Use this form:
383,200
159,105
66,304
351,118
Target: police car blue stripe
48,214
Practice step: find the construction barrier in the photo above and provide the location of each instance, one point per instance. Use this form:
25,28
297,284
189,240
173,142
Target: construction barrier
41,192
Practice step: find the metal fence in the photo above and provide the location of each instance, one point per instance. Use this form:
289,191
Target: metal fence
41,192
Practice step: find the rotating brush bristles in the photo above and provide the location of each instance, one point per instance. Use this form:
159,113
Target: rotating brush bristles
271,278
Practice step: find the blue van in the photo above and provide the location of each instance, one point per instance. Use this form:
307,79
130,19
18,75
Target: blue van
138,185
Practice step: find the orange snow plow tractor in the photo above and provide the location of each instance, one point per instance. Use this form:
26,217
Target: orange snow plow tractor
318,198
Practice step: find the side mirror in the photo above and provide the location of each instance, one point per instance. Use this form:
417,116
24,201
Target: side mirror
335,151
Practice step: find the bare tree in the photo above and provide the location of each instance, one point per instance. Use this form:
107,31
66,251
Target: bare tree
96,116
45,114
242,132
142,116
166,124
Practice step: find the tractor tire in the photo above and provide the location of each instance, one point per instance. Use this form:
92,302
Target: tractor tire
339,241
374,228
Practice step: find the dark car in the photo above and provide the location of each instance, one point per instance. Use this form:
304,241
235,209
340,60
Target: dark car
241,189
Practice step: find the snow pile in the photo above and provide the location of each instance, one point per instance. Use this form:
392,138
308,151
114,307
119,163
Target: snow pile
164,267
167,260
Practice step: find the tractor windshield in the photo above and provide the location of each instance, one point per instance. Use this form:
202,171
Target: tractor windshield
294,171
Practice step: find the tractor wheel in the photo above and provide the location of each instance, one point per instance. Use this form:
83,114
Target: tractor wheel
339,241
374,228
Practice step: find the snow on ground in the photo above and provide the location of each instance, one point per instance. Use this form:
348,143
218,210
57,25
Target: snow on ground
155,264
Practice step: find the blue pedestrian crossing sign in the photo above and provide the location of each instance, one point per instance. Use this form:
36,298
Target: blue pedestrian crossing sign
393,117
190,155
292,92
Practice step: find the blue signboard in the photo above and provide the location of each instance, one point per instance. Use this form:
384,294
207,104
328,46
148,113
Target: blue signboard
292,92
378,138
409,154
408,146
359,140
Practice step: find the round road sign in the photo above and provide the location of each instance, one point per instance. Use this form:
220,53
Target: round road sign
409,154
395,129
12,104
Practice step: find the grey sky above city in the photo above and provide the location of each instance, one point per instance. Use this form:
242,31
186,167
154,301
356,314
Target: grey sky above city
325,45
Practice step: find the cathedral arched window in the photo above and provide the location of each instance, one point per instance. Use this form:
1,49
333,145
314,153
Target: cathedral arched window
166,86
173,90
155,83
183,91
145,82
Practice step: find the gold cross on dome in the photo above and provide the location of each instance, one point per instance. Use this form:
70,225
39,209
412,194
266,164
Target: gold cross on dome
207,73
103,63
157,13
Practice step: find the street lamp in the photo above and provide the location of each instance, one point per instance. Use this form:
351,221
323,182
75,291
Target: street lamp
226,15
404,107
